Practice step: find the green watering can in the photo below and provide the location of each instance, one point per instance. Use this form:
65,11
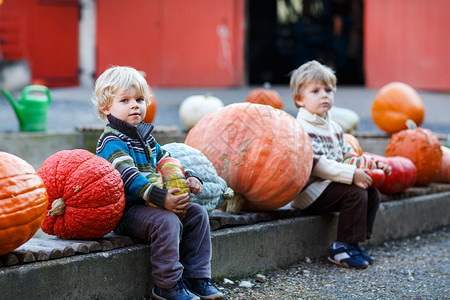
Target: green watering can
31,109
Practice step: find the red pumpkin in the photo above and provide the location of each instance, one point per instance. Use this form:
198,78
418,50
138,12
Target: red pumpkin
265,96
403,174
394,104
378,176
444,173
151,109
262,153
86,195
23,202
422,147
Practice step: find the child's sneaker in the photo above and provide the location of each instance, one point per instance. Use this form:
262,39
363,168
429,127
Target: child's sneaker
363,253
347,256
204,288
178,292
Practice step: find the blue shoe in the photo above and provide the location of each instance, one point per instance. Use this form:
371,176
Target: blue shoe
178,292
204,288
347,256
364,254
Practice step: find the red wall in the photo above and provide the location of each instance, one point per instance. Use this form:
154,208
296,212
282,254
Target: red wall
407,41
176,42
45,34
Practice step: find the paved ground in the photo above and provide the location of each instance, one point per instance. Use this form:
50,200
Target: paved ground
71,107
414,268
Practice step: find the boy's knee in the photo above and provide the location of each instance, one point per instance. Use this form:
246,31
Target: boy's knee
198,210
168,220
358,196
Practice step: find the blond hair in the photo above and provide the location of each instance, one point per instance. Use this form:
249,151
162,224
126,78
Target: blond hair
311,71
116,79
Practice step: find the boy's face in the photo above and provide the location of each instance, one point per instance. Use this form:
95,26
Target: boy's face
317,98
128,106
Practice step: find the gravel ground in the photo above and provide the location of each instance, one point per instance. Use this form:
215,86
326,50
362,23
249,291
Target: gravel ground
413,268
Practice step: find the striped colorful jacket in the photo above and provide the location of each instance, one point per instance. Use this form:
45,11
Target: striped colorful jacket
134,152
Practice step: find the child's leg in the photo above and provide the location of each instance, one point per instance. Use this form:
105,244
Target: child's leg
374,199
352,203
195,246
162,229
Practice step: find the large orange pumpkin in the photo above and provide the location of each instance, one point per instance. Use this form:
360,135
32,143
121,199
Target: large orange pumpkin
261,152
86,195
265,96
23,202
444,173
151,109
422,147
394,104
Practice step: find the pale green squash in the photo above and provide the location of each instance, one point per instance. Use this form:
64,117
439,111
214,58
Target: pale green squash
215,190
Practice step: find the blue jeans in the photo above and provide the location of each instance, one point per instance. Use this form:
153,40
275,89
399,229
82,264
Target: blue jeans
178,247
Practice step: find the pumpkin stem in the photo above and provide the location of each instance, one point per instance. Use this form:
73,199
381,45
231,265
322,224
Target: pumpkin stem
208,95
228,194
411,124
235,204
58,208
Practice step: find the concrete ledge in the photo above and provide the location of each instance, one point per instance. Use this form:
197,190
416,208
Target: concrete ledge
125,273
117,274
243,250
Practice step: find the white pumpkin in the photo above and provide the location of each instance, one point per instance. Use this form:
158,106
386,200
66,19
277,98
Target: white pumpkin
346,118
215,190
193,108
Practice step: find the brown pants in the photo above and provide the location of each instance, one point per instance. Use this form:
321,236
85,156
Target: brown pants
357,210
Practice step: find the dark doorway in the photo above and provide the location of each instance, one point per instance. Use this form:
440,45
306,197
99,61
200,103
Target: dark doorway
283,34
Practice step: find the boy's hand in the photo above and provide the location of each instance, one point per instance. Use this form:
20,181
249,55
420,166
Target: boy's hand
176,203
362,179
194,185
385,167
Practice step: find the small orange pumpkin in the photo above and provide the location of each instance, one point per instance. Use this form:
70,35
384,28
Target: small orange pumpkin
394,104
265,96
151,109
23,202
422,147
354,143
261,152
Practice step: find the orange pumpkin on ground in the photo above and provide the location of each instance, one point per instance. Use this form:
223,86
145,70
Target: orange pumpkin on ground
86,195
23,202
394,104
354,143
422,147
151,109
444,173
265,96
261,152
